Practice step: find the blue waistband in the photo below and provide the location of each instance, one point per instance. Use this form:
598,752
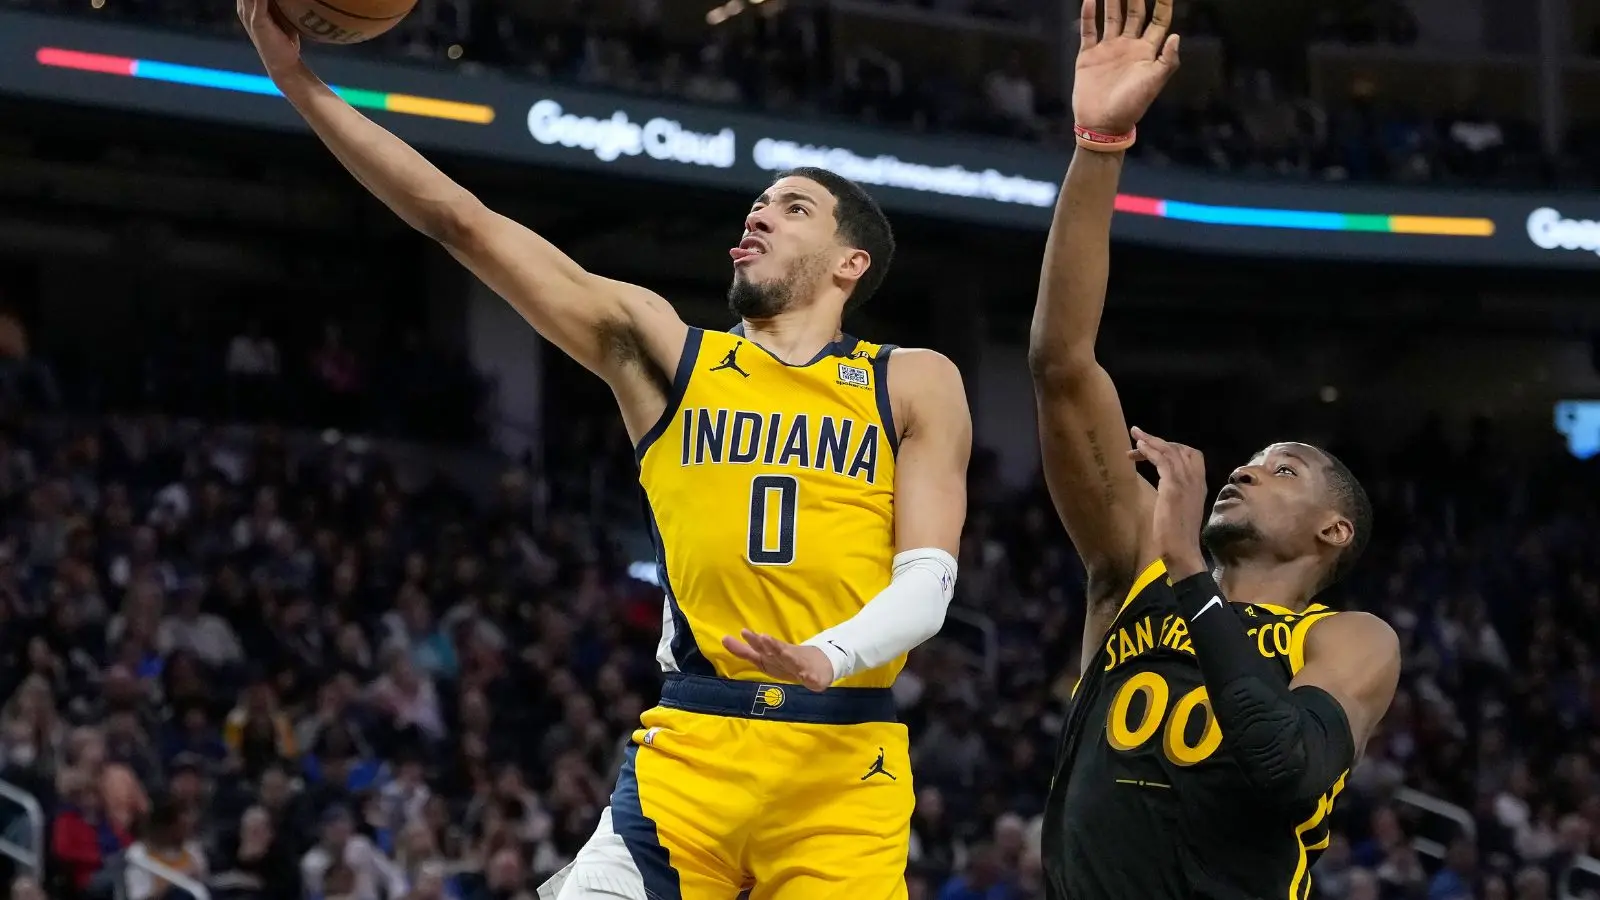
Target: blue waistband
777,702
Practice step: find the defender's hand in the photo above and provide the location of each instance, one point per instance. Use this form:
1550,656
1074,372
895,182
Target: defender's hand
790,662
274,38
1180,501
1120,72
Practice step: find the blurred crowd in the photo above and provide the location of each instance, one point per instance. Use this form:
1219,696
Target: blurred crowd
235,367
304,673
1261,119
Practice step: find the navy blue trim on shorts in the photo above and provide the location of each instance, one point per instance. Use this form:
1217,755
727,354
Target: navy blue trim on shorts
880,368
680,384
638,832
777,702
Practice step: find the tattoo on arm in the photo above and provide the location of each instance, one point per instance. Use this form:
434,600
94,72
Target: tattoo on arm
1108,491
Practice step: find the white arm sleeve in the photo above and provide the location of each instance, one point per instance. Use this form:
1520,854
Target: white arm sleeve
904,614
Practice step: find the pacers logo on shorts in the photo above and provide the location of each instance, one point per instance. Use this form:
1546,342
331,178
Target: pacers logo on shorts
768,696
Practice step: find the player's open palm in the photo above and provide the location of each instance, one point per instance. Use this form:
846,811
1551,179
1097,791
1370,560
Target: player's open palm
275,40
1180,501
1123,67
782,660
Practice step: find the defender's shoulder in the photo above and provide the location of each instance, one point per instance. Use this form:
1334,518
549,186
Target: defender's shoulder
1353,630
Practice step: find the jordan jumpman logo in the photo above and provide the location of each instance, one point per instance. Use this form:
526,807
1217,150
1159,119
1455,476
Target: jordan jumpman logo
731,361
878,769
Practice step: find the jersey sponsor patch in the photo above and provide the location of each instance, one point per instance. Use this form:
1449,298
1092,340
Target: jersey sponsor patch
853,376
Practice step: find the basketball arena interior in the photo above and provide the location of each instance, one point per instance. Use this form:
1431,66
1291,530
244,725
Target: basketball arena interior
306,538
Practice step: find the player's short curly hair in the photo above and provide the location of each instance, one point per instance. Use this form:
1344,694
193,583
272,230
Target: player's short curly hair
861,224
1352,502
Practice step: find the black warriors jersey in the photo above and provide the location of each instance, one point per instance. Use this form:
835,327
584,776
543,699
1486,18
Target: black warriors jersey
1146,804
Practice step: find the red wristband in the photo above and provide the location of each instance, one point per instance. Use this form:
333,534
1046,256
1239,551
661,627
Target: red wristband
1104,143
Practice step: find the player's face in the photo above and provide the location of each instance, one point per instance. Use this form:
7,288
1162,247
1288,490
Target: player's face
1278,500
789,243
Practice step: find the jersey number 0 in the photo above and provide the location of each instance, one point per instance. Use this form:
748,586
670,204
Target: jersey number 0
774,506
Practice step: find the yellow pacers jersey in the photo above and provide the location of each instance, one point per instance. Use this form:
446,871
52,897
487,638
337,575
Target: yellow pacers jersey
771,491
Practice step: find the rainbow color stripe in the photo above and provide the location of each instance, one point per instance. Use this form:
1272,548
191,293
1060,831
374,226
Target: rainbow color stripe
223,80
1303,220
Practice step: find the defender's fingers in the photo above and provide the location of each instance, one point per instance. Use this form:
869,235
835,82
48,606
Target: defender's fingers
1135,23
1160,24
1088,31
1139,434
1194,462
1113,14
1161,459
1169,54
1150,451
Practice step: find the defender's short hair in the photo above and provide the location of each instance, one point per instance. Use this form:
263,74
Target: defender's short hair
862,225
1352,502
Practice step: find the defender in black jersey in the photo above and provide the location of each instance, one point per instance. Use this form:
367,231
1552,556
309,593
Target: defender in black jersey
1219,708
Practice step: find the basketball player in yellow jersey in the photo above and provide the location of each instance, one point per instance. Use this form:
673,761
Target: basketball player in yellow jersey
807,492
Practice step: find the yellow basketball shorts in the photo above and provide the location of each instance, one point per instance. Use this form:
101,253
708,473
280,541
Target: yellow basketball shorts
793,794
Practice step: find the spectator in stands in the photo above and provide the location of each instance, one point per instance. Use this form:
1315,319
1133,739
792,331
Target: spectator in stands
192,734
253,371
341,848
207,636
256,866
169,841
257,732
288,811
1010,93
407,697
502,879
337,374
25,382
25,887
123,799
1455,880
82,838
983,879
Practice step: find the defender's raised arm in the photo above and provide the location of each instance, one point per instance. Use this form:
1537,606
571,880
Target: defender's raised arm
1101,498
622,332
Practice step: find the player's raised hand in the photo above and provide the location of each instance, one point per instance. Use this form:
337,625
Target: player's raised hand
782,660
1180,501
276,41
1123,67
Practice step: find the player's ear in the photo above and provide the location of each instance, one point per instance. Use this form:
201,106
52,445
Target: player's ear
1337,532
853,264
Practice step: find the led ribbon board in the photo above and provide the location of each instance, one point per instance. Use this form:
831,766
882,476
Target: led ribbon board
970,181
240,82
1304,220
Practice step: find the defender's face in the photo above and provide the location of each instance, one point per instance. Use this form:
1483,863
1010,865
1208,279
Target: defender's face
1279,494
789,224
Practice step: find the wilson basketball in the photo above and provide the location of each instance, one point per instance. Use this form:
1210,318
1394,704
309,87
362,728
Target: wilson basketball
343,21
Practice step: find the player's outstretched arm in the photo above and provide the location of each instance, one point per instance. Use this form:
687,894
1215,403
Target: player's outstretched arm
930,508
1097,492
608,326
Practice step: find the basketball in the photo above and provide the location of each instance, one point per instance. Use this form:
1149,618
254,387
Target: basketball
343,21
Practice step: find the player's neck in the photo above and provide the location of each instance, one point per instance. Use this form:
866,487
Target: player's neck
795,336
1290,584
